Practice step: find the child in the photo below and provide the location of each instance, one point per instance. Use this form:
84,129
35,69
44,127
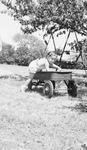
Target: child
38,65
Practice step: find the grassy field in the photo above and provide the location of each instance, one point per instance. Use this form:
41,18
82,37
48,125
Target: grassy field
30,121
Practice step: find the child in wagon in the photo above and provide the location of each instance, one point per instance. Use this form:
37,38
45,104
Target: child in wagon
38,65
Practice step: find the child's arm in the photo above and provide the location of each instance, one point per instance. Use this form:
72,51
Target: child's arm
46,65
56,67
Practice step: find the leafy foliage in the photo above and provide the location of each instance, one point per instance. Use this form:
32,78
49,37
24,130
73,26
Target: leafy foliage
23,56
49,14
29,48
1,58
7,53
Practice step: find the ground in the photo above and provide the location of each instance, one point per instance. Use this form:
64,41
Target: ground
31,121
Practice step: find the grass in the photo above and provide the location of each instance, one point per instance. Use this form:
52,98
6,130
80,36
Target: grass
31,121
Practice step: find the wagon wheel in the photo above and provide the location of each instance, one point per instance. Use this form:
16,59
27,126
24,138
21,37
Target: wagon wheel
48,89
53,82
30,86
72,88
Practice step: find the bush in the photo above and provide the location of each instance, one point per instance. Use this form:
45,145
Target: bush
29,48
70,65
23,56
7,54
1,58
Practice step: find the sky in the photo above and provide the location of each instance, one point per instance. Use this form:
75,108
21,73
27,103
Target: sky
8,27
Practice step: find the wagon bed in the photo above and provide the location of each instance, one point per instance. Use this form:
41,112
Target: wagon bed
53,75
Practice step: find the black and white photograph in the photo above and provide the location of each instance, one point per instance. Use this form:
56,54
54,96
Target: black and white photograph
43,74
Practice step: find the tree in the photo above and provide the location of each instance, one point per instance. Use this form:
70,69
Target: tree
28,49
60,14
30,42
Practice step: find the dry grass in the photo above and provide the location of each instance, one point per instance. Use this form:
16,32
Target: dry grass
29,121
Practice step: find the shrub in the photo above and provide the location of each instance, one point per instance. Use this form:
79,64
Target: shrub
29,48
7,54
70,65
1,58
23,56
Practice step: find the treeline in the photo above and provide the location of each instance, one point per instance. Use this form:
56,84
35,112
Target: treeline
30,48
23,54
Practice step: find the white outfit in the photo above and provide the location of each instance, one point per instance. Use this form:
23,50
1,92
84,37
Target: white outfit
35,66
38,64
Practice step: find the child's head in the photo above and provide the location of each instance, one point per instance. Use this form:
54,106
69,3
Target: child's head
51,57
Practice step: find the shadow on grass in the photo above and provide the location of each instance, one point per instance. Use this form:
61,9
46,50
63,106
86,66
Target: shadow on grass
39,89
81,99
20,77
16,77
80,107
59,94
